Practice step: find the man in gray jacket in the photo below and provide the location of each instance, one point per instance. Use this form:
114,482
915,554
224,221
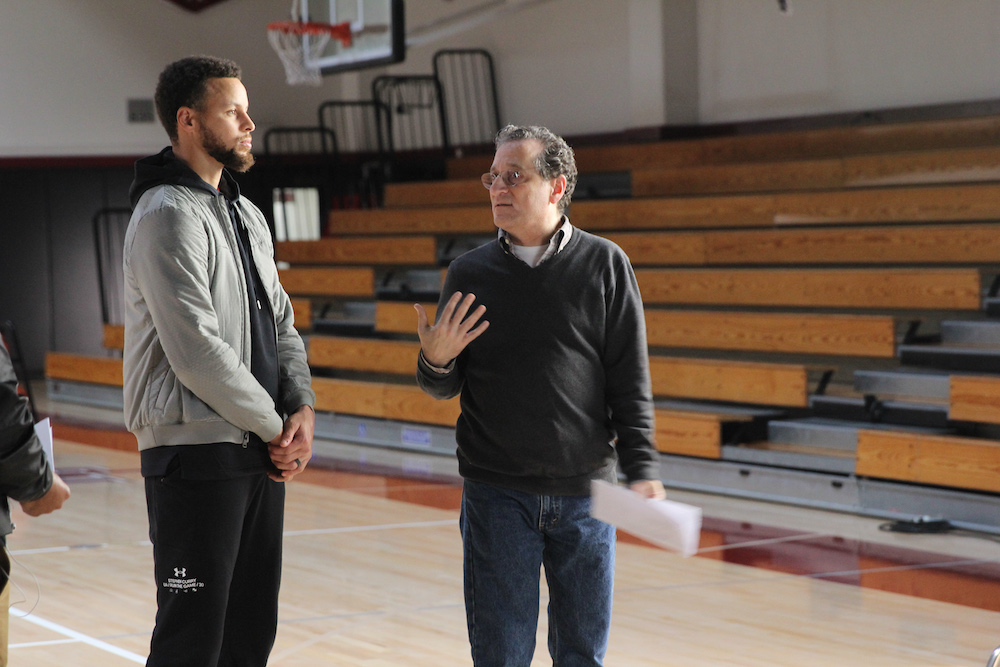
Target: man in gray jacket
217,385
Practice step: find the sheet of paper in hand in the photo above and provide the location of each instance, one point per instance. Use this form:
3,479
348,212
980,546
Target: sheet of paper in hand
43,430
665,523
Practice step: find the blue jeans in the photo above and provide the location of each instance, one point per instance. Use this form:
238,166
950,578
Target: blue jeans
508,537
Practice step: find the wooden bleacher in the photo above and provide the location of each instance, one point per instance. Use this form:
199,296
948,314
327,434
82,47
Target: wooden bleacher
452,192
913,204
930,245
405,250
959,165
968,463
400,317
399,358
364,354
383,400
114,336
84,368
795,333
916,168
755,255
692,433
809,200
737,382
302,312
913,288
836,334
328,281
975,132
974,398
688,378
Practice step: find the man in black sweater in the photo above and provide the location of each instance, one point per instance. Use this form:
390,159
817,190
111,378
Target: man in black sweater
555,392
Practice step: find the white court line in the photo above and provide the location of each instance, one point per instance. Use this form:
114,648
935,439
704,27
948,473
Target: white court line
762,542
365,529
73,635
80,637
287,533
76,547
51,642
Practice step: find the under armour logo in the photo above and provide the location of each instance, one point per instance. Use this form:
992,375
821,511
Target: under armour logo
180,571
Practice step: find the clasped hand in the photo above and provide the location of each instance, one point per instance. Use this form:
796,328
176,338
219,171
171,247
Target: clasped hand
291,450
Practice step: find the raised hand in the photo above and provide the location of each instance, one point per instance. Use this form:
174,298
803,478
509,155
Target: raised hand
454,330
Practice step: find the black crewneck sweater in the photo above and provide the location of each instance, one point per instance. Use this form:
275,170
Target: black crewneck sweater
561,372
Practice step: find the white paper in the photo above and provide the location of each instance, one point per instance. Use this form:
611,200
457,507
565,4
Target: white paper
665,523
43,430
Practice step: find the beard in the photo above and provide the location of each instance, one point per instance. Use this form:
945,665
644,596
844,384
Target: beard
228,157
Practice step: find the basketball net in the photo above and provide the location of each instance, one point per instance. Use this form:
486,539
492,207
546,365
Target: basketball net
300,44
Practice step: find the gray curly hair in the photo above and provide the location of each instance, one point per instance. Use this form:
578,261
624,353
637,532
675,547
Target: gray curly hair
555,159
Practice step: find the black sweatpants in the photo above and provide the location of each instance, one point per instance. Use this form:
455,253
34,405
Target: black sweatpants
217,563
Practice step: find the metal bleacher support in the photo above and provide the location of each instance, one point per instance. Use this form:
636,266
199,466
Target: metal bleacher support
302,157
417,123
109,226
469,89
363,129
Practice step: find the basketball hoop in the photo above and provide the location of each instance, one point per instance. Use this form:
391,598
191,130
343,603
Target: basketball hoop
300,44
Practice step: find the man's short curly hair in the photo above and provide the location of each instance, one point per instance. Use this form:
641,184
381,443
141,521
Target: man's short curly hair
555,159
183,84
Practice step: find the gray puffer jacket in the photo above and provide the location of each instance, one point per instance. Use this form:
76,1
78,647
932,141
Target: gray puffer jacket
187,377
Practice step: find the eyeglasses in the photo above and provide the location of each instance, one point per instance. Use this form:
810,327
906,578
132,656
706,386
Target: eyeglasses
511,178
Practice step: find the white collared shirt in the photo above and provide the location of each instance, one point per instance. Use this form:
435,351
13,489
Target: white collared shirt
535,255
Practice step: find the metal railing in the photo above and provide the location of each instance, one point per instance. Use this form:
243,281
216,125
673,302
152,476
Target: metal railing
109,226
469,90
301,157
416,111
363,129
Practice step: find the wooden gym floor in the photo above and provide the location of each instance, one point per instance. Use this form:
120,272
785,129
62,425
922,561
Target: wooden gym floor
372,577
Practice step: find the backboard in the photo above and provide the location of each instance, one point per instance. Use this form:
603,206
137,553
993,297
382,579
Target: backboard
378,34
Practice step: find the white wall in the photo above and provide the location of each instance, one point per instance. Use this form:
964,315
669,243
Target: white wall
562,63
578,66
69,67
843,55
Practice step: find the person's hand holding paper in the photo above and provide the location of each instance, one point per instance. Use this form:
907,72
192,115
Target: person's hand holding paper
665,523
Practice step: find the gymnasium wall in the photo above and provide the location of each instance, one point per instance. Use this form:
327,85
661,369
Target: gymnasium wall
581,66
843,55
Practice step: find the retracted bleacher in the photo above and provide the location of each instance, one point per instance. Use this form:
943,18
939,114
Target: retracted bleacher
818,307
785,276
